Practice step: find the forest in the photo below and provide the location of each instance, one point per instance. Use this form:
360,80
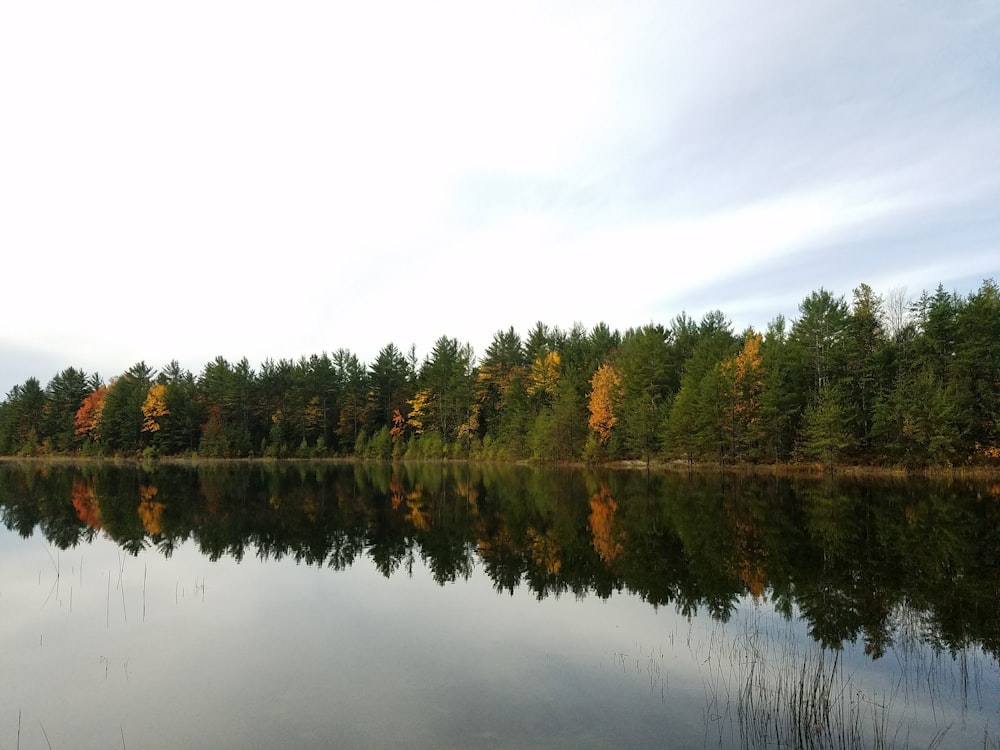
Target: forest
876,381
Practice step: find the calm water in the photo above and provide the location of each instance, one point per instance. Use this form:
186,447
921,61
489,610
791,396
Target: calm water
366,606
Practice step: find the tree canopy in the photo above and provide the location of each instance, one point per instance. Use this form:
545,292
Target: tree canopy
877,380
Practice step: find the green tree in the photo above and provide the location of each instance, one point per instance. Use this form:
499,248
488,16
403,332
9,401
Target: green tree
122,419
865,363
391,385
826,430
918,421
695,420
780,399
541,340
353,413
21,418
180,427
323,387
559,431
64,394
504,363
821,332
937,322
277,405
643,359
235,419
447,374
976,368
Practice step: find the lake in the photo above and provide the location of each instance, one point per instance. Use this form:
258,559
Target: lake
320,605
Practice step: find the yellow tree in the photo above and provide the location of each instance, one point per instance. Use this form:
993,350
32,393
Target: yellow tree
420,407
744,383
154,407
544,376
467,430
605,398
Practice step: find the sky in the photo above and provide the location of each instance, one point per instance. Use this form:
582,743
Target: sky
186,180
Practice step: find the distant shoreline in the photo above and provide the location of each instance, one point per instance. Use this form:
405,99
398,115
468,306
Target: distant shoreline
659,466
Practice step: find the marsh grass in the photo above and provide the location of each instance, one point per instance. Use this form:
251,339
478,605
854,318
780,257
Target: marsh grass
764,687
808,703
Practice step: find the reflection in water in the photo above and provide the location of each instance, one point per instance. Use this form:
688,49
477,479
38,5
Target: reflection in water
895,583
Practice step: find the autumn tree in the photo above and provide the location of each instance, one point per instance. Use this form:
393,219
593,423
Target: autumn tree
420,411
742,374
605,398
544,375
154,407
88,417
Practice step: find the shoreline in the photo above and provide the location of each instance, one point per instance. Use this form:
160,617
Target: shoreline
658,466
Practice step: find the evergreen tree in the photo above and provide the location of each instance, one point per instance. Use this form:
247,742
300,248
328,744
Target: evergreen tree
64,394
826,430
504,364
391,386
122,419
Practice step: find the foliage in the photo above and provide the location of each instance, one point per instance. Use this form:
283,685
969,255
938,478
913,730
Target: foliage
870,382
605,398
154,407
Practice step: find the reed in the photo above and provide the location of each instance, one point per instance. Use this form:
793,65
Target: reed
765,690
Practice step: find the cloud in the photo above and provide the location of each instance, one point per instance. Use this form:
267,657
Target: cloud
193,180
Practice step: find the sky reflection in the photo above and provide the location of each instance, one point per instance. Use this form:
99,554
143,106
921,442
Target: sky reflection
101,648
188,652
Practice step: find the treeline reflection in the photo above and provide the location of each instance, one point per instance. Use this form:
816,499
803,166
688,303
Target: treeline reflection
863,560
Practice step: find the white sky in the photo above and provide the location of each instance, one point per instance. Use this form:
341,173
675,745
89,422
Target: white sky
188,179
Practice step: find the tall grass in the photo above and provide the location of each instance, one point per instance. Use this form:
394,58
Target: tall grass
807,703
765,688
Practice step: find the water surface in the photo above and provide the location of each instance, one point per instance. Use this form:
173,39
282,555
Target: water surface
368,606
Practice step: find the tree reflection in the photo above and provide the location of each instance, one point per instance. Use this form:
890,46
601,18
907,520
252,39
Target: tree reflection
881,563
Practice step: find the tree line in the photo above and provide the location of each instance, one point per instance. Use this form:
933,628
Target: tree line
878,380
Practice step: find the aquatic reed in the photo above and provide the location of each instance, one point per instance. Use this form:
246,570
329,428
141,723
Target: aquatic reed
767,689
